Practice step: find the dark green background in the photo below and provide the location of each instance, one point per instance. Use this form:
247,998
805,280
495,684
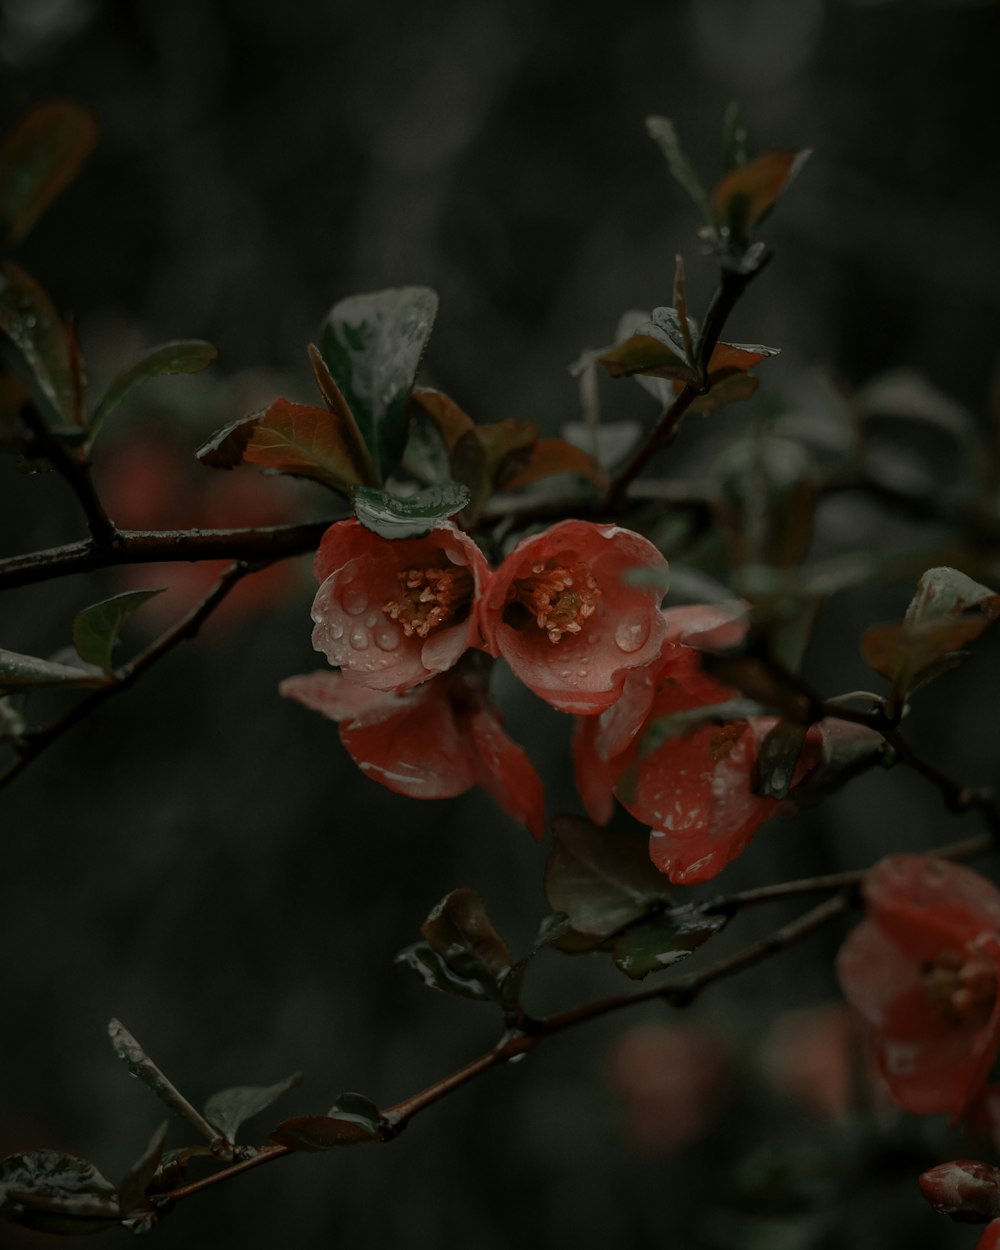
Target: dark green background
200,858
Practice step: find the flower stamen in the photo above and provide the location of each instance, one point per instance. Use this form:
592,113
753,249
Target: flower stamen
559,598
429,597
963,984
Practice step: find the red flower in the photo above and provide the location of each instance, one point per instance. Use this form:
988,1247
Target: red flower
922,969
990,1239
391,614
965,1189
562,615
431,742
693,789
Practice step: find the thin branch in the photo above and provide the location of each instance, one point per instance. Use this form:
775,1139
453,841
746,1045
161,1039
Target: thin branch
260,545
36,742
731,286
74,468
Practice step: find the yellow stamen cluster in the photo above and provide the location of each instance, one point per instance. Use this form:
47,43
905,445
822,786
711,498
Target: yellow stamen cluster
429,597
963,984
559,598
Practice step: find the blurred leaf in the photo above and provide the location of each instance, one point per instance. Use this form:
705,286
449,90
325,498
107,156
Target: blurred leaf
179,356
779,754
96,629
652,945
758,681
229,1108
766,497
29,319
444,413
684,323
22,672
613,440
373,345
56,1193
907,394
487,456
412,517
734,138
599,880
461,933
139,1177
322,1132
39,156
551,456
746,193
12,721
662,132
948,610
289,438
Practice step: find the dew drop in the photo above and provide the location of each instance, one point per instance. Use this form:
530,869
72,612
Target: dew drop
371,621
336,631
387,638
359,638
581,672
593,639
632,631
355,602
565,673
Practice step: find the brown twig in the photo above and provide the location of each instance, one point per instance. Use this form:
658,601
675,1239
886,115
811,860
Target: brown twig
260,546
34,743
74,468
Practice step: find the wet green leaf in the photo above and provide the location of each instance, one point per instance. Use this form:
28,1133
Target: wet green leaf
29,319
56,1193
412,517
132,1191
96,629
23,672
422,959
357,1110
663,133
373,345
297,439
39,156
658,943
779,754
180,356
229,1108
599,880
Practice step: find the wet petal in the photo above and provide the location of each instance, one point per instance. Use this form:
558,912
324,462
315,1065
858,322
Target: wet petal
506,773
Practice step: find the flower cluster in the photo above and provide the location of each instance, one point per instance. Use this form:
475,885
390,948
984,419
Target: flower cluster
407,622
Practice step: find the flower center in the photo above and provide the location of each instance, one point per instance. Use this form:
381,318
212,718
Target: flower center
963,984
429,597
559,598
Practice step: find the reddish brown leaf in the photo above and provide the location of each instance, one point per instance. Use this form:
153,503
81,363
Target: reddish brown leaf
554,455
748,191
38,157
446,415
350,433
644,354
730,358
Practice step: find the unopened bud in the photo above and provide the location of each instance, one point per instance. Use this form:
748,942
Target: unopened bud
965,1189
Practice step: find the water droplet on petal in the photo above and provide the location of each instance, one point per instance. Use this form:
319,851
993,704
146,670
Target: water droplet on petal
336,631
593,639
359,638
355,602
632,630
387,638
371,621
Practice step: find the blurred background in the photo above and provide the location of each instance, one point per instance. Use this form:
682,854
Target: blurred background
201,858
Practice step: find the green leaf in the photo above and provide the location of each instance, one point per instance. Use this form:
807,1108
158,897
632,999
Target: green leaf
96,629
140,1065
460,932
652,945
132,1190
373,345
180,356
298,439
56,1193
23,672
313,1133
662,132
948,611
422,959
779,754
39,156
656,347
734,138
412,517
601,881
29,319
229,1108
356,1109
